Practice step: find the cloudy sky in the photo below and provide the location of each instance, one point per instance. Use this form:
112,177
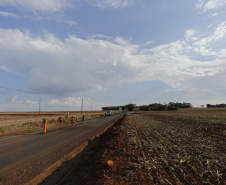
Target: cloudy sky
111,52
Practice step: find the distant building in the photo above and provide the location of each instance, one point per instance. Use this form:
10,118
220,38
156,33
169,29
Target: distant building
136,109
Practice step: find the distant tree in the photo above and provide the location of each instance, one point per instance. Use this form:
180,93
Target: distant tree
217,105
112,108
105,108
171,106
178,105
183,105
157,107
222,105
162,107
144,108
130,107
187,105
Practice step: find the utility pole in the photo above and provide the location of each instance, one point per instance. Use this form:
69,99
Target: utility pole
82,107
39,105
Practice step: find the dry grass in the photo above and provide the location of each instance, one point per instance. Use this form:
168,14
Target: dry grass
16,121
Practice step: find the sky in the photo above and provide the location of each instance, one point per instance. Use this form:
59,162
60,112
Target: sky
56,53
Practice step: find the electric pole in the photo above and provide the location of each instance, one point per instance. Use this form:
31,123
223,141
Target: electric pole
82,107
39,105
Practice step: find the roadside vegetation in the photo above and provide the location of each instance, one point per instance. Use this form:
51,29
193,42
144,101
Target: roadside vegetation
36,121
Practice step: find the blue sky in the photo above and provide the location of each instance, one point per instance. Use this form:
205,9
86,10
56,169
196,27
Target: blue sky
111,52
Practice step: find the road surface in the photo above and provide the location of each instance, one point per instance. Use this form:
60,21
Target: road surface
18,148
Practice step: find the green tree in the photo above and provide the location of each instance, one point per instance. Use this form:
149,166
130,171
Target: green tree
171,106
130,107
144,108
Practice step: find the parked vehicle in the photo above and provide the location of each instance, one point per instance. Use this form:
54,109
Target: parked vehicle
109,113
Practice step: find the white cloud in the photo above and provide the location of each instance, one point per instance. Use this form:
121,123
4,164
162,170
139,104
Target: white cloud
214,14
210,5
39,5
13,99
69,101
7,14
61,5
149,43
204,43
28,102
220,31
64,68
189,35
75,102
199,4
222,53
4,68
111,3
71,23
95,36
214,4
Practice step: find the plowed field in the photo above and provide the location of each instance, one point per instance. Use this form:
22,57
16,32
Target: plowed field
181,147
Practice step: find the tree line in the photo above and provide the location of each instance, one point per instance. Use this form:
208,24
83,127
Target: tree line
151,107
217,105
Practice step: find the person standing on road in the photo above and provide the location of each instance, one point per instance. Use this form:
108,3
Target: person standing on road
60,119
83,118
72,120
44,125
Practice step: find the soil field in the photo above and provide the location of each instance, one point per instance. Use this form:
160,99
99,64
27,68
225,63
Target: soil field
179,147
17,121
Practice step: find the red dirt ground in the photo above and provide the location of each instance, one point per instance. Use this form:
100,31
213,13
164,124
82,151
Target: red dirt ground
117,146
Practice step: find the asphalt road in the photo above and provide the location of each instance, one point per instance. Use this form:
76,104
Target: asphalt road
21,147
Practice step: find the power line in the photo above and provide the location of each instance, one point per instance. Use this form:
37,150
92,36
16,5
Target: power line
19,90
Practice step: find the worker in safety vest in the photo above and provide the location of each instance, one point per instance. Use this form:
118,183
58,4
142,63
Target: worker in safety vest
60,119
72,120
44,125
67,114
